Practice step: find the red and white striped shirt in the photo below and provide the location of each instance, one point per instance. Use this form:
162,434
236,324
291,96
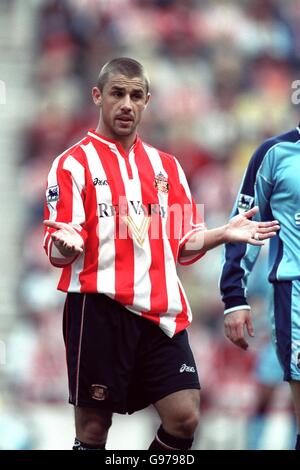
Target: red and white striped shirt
134,212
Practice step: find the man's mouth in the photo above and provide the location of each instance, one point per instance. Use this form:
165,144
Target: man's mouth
124,118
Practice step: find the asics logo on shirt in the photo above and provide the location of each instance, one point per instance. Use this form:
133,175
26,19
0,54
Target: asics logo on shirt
185,368
100,182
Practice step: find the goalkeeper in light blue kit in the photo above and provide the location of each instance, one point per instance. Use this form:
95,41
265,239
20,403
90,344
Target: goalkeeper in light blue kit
272,182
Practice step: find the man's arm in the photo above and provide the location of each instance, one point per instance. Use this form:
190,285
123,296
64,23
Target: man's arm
256,188
239,229
64,212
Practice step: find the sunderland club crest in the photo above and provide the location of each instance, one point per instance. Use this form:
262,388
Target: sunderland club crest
98,392
161,183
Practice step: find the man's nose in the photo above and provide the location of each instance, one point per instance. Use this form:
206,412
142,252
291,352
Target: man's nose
126,103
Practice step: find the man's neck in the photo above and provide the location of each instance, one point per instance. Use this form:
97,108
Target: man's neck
125,141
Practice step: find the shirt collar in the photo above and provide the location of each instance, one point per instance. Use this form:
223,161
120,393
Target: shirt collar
111,143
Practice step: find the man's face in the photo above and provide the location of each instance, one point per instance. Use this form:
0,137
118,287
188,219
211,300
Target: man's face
122,102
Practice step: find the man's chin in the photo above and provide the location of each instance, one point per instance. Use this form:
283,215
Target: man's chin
123,131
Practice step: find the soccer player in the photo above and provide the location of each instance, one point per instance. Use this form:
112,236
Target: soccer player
271,182
119,215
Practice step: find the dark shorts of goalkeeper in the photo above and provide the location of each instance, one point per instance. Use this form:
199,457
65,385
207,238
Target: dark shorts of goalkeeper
119,361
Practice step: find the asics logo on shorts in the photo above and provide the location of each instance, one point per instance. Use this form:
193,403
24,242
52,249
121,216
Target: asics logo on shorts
185,368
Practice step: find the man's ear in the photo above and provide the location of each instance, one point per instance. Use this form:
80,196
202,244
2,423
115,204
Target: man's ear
97,96
147,99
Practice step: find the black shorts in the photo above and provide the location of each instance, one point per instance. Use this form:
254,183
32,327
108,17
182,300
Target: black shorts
120,361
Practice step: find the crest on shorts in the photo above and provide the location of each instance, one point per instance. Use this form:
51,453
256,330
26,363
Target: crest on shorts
161,183
244,203
99,392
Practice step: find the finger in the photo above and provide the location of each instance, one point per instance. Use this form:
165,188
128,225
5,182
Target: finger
239,336
250,328
235,338
75,250
268,229
72,247
52,224
252,241
231,333
242,343
57,238
227,331
250,213
68,248
269,224
265,236
237,333
240,332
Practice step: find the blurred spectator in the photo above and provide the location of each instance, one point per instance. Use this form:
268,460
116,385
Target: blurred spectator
221,75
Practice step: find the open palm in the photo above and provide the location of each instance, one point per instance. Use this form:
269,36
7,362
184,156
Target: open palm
241,229
66,238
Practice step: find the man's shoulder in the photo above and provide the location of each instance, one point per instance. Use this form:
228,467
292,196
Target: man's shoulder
75,151
163,155
291,137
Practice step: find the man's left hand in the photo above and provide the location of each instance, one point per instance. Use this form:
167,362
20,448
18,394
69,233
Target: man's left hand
241,229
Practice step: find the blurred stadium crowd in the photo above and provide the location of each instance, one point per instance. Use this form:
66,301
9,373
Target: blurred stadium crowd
221,75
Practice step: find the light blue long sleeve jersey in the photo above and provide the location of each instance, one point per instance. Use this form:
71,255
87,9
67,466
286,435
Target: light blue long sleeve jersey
272,182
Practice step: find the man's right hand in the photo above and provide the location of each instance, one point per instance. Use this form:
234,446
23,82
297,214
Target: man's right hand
66,239
234,325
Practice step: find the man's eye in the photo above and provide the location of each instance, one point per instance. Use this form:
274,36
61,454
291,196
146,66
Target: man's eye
117,93
137,96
